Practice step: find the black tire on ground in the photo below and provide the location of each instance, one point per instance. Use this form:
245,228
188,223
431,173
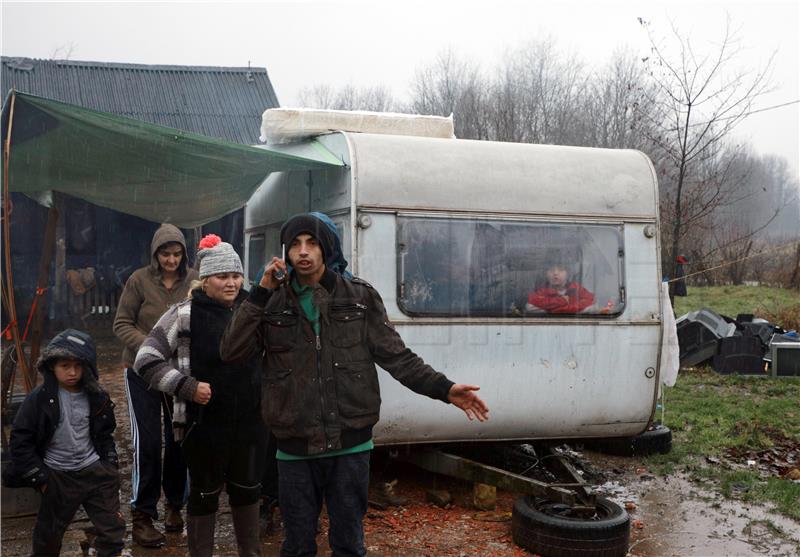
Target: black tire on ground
657,440
553,530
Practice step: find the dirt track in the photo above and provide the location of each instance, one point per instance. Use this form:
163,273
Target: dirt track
671,516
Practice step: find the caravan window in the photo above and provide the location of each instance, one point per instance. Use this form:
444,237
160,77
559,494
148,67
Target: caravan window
503,268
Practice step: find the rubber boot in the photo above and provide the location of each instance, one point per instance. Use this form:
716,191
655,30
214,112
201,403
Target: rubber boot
245,525
268,524
200,534
173,521
144,533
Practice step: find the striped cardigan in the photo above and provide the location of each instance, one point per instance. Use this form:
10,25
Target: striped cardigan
163,360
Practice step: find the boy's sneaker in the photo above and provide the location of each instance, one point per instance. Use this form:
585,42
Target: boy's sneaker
144,533
173,522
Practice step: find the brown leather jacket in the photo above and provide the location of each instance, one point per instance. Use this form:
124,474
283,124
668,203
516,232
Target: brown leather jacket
321,393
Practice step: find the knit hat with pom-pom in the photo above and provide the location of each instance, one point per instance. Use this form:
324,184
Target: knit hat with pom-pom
217,257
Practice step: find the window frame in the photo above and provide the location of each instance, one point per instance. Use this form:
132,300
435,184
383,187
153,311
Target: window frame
400,240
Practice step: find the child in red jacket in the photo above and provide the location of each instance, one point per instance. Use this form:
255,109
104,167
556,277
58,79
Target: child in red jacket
560,295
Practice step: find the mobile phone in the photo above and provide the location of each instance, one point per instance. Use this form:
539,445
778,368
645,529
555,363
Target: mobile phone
280,274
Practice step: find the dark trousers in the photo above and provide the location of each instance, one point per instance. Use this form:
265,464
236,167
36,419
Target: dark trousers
342,482
145,406
96,487
225,455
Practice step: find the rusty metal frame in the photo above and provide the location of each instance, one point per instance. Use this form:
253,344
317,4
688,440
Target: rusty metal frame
574,492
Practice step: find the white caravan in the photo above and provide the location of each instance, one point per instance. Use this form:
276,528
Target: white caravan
457,236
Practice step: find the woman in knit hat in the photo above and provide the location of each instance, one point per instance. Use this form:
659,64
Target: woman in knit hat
217,409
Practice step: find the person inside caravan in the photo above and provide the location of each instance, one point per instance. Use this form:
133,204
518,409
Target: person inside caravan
148,293
321,335
559,294
217,416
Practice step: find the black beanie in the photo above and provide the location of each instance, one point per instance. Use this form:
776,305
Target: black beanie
306,223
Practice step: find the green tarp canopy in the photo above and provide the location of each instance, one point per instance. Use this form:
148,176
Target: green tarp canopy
154,172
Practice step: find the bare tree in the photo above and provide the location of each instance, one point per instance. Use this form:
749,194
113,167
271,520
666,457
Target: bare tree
733,252
537,95
63,51
679,107
615,113
451,85
784,196
507,120
699,101
794,280
725,210
377,98
318,96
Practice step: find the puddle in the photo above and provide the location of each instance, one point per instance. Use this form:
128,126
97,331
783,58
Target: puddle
679,518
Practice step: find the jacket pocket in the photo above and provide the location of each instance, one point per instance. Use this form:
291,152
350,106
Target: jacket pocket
281,330
348,324
278,408
357,391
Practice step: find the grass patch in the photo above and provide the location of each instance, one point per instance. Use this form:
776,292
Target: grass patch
709,413
762,301
749,486
755,527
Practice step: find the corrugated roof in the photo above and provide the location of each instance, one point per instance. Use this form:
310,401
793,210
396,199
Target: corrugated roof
220,102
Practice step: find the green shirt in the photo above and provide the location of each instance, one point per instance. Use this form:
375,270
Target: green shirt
365,446
304,296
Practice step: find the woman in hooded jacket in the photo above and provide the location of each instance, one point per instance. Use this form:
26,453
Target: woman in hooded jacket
147,294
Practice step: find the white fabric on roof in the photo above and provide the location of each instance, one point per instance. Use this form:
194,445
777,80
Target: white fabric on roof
285,125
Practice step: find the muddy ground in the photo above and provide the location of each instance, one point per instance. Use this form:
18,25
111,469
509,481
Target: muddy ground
671,515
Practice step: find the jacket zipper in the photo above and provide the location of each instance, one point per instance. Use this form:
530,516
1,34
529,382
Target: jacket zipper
321,386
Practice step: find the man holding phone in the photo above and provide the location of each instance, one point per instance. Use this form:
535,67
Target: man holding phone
321,335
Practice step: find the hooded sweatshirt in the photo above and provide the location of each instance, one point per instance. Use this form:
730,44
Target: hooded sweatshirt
39,416
145,298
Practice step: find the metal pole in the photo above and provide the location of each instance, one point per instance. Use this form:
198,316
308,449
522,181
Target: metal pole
45,262
22,361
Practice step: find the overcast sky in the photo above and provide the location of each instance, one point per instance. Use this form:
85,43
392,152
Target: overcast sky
303,43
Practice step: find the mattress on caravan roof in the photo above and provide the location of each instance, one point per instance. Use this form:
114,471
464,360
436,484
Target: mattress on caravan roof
286,125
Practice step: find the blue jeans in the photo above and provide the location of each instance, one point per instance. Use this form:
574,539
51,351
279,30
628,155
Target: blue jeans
342,482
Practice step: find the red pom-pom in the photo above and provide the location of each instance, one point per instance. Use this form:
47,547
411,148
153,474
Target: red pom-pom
209,241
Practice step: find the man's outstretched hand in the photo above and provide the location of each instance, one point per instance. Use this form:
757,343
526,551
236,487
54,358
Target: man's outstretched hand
465,398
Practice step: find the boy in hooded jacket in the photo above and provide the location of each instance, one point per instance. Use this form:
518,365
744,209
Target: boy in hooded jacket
62,445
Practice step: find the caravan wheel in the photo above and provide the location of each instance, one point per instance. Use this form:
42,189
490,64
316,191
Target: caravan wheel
553,530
